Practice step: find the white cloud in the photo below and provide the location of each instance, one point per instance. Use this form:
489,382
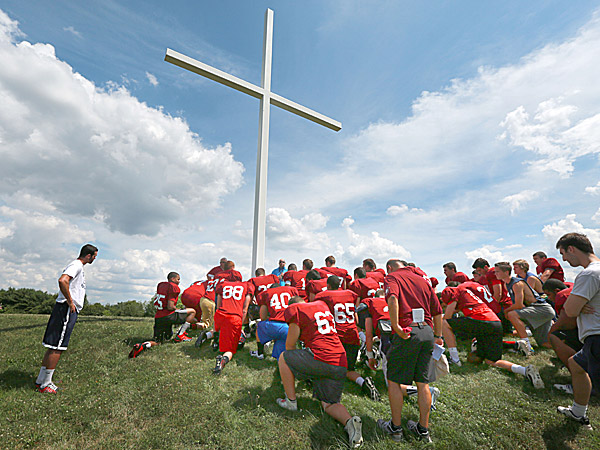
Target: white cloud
594,190
72,30
285,231
516,201
152,79
488,252
596,216
370,246
395,210
569,224
93,152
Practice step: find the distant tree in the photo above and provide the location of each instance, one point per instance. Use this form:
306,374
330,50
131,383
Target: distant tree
29,301
95,309
149,309
129,308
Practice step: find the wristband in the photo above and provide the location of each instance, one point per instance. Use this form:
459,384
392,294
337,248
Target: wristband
370,355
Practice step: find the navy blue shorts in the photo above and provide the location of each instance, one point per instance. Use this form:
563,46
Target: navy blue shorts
589,359
59,328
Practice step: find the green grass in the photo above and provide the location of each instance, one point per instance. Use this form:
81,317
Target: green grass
167,399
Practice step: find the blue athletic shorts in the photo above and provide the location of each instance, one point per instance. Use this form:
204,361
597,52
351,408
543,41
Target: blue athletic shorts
271,330
59,328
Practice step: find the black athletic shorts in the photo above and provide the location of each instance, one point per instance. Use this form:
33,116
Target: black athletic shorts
408,359
488,334
351,354
589,359
59,328
570,337
327,379
163,326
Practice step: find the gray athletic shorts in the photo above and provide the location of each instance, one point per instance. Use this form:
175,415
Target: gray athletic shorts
327,379
539,318
408,359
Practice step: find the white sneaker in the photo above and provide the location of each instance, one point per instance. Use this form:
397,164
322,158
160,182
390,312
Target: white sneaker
286,403
524,347
566,388
354,429
255,354
435,393
583,420
534,376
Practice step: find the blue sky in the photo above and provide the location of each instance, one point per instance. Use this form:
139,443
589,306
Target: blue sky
469,129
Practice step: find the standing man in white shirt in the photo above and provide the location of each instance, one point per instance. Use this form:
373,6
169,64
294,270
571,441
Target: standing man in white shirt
64,315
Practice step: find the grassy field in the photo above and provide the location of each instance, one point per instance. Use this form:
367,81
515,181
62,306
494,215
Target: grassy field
167,399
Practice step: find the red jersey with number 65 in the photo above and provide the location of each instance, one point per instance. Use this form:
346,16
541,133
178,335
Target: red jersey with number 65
341,303
472,299
165,291
364,287
317,331
233,295
276,300
378,310
263,283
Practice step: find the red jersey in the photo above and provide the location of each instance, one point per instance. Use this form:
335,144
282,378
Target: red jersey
472,299
210,286
337,271
364,287
505,300
378,275
412,291
421,273
551,263
165,291
341,304
316,286
192,295
561,298
263,283
214,272
229,275
317,331
233,296
276,300
378,310
459,277
297,279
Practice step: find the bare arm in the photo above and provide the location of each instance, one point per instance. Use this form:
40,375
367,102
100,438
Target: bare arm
63,284
449,311
246,303
292,336
263,313
574,305
563,322
497,292
546,274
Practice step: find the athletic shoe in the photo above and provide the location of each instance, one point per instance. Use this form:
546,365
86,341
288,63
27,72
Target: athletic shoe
566,388
136,350
182,338
50,388
534,376
474,345
354,429
524,347
386,427
369,388
456,363
255,354
218,368
286,403
242,341
201,338
414,429
215,343
435,393
583,420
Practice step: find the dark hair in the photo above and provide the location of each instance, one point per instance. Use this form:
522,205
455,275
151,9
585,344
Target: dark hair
411,264
333,282
292,266
259,272
313,275
307,264
360,272
577,240
453,284
274,285
295,299
449,265
480,263
540,255
553,285
330,259
504,266
172,275
370,263
87,249
229,265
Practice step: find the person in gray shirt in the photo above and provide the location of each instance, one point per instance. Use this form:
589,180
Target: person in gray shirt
584,304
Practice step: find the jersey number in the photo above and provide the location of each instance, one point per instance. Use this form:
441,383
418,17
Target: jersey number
235,292
344,312
281,301
158,304
325,323
486,295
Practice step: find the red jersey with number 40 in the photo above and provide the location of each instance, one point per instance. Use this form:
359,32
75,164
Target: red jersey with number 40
317,331
165,291
276,300
341,304
233,296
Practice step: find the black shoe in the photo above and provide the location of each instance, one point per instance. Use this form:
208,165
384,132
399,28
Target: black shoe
215,343
201,338
420,435
218,368
369,388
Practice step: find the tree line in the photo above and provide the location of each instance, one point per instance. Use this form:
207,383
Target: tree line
32,301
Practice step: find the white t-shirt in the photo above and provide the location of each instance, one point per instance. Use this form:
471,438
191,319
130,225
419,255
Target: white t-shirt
587,285
77,285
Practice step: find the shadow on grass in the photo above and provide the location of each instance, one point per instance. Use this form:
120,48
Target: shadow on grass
16,379
26,327
558,437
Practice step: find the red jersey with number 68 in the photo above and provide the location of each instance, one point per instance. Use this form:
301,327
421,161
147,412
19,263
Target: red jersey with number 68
472,299
341,304
233,295
364,287
317,331
165,291
276,300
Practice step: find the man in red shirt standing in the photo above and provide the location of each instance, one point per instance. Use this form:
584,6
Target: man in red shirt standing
548,267
452,274
416,319
323,361
342,303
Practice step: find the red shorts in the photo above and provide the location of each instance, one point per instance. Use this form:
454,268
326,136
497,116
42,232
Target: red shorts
230,330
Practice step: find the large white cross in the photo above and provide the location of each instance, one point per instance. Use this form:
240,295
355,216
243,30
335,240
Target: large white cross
266,98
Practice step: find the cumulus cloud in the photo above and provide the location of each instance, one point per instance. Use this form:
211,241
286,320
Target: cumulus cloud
516,201
569,224
594,190
99,152
396,210
596,216
488,252
285,231
370,246
152,79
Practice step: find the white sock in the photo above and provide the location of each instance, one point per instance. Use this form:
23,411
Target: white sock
453,353
209,335
362,336
527,340
515,368
579,410
147,344
411,390
40,377
47,377
360,381
183,328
